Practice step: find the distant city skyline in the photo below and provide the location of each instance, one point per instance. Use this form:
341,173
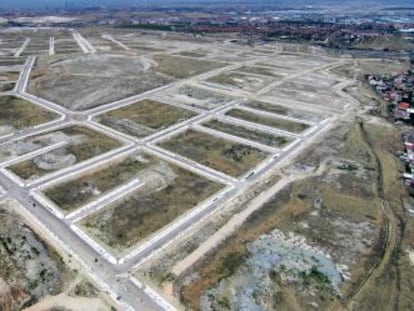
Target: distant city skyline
56,4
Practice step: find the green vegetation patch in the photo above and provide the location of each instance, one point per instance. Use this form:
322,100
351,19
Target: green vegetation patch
223,155
265,138
279,123
21,114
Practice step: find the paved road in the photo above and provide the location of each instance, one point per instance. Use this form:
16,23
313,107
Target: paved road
114,277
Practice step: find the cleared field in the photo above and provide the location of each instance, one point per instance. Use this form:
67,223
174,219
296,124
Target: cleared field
262,137
279,123
242,81
198,97
19,113
195,53
74,193
229,157
168,192
66,45
282,68
315,87
95,79
144,117
261,71
330,101
285,111
82,144
181,67
338,211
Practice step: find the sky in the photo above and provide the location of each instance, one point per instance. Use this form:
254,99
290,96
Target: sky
33,4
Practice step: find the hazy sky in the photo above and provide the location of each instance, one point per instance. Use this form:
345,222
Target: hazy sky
7,4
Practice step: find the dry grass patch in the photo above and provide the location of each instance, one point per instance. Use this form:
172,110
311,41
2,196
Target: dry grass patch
148,113
74,193
20,114
86,145
181,67
223,155
168,192
279,123
262,137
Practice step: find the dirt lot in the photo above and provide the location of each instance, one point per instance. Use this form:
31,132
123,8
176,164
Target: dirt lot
261,71
198,97
144,117
241,81
86,81
82,144
340,217
34,276
30,269
231,158
180,67
282,124
285,111
168,192
74,193
262,137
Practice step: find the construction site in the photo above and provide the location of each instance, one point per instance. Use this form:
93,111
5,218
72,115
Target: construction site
155,171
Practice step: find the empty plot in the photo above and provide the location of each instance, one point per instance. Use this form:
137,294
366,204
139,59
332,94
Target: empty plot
81,144
95,183
307,87
17,114
330,101
226,156
7,76
66,45
194,53
261,71
280,67
285,111
182,67
262,137
12,61
102,44
85,81
144,117
7,86
198,97
241,81
304,61
278,123
317,79
168,192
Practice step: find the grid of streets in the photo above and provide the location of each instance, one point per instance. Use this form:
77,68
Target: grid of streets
113,272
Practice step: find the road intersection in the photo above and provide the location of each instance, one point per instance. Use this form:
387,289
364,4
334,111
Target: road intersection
113,273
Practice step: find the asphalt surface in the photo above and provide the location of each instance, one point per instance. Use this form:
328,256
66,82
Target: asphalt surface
115,277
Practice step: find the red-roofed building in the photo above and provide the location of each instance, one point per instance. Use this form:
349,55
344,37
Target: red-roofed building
403,106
